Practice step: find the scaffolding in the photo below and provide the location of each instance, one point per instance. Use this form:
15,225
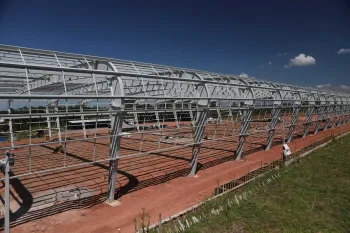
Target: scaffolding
102,103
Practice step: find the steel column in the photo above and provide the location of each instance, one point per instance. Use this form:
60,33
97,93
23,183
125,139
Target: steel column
275,113
309,113
175,116
320,116
115,138
136,119
336,114
191,114
347,112
247,116
7,198
230,110
328,114
10,122
219,120
201,122
341,115
83,120
117,106
157,116
293,121
48,123
58,123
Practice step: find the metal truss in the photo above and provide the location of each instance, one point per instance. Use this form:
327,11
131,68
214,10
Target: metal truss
51,90
275,115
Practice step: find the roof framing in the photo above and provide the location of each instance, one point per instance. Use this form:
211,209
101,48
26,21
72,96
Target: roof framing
31,73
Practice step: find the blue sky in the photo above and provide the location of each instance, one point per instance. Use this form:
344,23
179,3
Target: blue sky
258,38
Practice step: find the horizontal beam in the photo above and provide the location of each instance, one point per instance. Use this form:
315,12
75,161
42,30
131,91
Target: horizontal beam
114,73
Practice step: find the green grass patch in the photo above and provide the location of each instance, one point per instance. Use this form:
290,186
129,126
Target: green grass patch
311,195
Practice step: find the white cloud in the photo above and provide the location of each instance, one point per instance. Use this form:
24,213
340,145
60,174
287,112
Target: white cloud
301,60
243,75
343,51
330,87
323,85
282,54
270,63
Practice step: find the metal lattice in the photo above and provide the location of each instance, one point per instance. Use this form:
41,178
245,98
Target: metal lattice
61,110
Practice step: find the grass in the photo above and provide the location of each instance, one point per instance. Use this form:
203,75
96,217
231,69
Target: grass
312,195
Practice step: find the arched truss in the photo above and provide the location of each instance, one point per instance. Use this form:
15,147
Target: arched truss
52,74
38,75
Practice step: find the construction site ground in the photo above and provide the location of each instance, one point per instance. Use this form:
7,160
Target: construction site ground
73,200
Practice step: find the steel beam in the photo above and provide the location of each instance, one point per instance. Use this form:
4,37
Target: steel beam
275,114
309,113
202,116
246,118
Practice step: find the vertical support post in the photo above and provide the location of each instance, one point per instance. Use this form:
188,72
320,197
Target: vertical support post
114,151
283,132
219,116
48,122
117,105
136,119
309,112
341,115
336,115
293,121
7,198
230,110
219,120
320,116
275,113
347,112
10,123
157,116
328,117
58,123
191,114
348,120
247,116
83,119
175,116
201,122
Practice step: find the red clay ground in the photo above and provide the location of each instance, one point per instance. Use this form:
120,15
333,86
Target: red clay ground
72,200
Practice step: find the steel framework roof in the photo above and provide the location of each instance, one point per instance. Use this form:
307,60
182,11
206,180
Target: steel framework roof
87,90
38,74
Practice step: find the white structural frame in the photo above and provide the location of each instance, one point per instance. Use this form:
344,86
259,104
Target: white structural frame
131,87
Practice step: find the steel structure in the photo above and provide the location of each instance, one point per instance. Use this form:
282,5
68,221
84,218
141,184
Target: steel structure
55,92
